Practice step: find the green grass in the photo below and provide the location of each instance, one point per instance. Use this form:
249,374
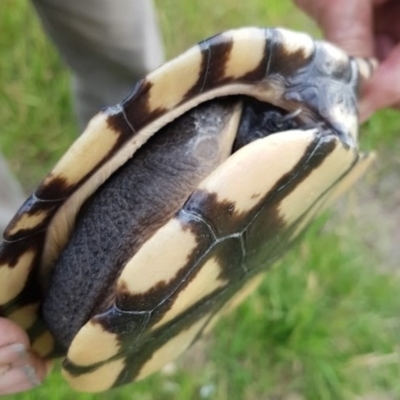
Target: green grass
324,324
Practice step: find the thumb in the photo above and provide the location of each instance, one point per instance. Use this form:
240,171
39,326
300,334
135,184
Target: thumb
348,24
381,92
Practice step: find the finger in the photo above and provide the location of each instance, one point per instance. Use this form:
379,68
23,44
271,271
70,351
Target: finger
384,45
25,373
20,369
21,378
348,24
382,90
14,381
11,333
13,354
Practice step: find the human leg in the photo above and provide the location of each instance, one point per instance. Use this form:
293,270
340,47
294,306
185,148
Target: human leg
108,45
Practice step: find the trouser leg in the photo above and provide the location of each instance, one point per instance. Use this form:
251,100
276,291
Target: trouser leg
108,45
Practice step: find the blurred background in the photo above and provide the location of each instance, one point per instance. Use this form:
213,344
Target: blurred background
325,323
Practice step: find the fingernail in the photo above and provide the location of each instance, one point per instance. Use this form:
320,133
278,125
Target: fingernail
30,373
14,357
13,353
18,379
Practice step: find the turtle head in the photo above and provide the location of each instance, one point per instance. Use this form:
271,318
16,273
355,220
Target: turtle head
327,90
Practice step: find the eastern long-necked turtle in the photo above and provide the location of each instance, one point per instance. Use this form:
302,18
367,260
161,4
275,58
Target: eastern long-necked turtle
167,209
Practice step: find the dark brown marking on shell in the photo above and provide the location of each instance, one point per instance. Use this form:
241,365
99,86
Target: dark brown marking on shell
221,214
260,72
126,119
119,125
76,370
282,61
56,188
263,241
117,321
109,320
113,321
229,257
31,207
139,352
147,344
265,237
199,86
219,50
10,254
149,300
215,55
136,352
130,325
137,111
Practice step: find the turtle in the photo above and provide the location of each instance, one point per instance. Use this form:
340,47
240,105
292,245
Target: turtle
168,209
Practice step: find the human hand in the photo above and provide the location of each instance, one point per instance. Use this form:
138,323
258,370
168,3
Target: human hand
365,28
20,369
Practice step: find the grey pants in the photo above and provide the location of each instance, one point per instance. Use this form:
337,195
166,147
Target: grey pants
108,45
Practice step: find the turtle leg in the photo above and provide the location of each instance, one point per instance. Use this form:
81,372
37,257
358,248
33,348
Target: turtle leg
108,48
